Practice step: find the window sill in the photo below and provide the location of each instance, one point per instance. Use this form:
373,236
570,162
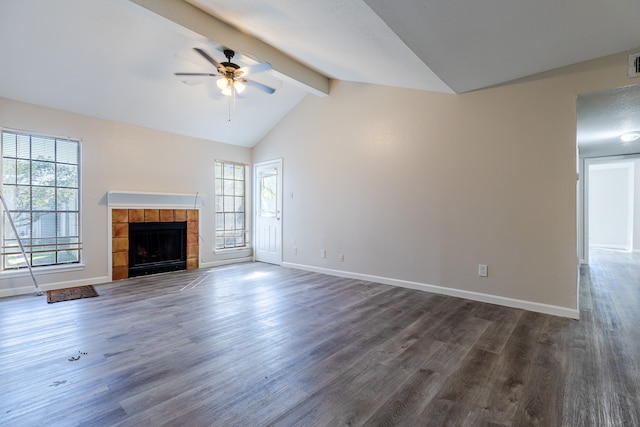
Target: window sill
37,271
233,252
239,248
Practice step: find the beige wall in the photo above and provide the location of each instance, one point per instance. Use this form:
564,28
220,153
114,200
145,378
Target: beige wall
419,188
120,157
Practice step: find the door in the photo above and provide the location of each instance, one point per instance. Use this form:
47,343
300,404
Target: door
268,210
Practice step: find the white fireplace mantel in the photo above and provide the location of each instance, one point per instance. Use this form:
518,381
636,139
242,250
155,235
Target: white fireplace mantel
142,200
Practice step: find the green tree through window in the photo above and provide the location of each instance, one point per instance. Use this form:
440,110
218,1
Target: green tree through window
41,186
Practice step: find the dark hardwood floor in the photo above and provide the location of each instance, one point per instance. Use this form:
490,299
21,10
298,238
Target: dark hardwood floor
257,345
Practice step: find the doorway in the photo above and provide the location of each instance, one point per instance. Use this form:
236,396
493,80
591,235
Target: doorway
611,214
268,211
604,119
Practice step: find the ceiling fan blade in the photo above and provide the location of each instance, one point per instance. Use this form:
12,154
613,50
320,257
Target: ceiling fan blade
206,56
260,86
253,69
196,74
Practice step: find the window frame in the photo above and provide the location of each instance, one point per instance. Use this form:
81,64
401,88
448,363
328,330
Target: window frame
57,240
220,210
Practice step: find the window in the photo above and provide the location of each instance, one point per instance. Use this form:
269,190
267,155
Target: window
41,187
230,201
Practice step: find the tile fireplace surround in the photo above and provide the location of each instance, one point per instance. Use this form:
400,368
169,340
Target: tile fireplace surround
120,219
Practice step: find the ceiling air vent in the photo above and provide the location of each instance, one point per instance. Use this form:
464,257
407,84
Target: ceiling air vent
634,65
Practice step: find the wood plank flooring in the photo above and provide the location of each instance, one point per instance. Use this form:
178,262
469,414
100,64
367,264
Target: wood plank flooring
257,345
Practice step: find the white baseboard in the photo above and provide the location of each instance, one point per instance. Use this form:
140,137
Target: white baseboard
26,290
475,296
225,262
624,248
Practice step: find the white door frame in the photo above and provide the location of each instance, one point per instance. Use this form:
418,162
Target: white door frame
277,163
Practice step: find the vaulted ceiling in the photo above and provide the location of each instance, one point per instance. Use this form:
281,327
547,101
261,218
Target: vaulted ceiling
116,59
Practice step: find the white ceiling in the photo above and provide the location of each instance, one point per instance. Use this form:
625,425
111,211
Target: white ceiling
603,117
114,59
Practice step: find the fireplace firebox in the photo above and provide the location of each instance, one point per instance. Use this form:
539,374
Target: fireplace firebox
157,247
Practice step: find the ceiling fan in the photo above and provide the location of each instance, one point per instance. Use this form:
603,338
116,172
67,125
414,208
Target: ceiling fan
231,77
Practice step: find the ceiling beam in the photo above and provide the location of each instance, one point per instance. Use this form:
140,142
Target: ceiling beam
210,27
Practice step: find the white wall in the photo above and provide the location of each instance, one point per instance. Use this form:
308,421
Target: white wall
121,157
418,188
611,187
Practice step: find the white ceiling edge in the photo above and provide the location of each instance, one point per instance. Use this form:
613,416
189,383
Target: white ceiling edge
343,39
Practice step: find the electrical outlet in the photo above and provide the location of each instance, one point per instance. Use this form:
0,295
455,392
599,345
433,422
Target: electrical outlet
483,270
341,258
323,253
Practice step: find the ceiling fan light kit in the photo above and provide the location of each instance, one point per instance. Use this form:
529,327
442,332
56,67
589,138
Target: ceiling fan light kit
232,77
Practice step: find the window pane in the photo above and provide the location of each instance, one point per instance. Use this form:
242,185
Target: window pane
67,175
9,193
43,149
67,227
67,151
44,225
22,221
23,147
67,199
23,172
43,199
229,203
239,172
228,171
239,221
9,171
268,196
239,205
43,258
9,144
15,260
229,187
43,173
239,188
68,256
219,221
229,221
17,197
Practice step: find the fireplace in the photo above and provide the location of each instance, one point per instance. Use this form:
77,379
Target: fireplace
157,247
125,223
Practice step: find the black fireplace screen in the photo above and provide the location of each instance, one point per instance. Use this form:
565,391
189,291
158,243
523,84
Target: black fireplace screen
157,247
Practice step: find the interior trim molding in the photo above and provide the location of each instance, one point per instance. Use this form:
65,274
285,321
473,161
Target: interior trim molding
140,200
30,289
474,296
